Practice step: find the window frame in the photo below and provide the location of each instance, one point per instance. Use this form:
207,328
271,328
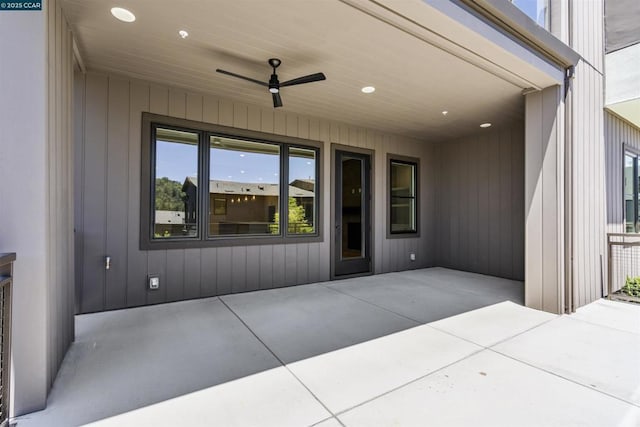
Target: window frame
205,130
415,162
628,150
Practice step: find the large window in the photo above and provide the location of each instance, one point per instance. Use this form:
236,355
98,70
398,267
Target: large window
403,203
205,185
631,192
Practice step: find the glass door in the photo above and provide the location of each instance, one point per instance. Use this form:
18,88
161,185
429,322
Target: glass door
352,250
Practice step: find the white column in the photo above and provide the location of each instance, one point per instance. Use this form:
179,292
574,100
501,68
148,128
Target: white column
544,200
24,195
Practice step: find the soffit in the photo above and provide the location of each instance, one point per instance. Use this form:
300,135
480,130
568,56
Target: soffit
415,80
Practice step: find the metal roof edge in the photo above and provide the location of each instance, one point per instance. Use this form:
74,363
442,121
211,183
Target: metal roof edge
511,19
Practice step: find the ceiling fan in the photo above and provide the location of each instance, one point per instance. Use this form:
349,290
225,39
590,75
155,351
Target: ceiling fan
274,84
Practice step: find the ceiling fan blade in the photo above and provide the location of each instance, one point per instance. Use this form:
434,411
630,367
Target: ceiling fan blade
277,101
306,79
228,73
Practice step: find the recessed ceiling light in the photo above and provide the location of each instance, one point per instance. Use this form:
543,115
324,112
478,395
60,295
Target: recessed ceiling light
241,155
241,171
445,112
123,14
368,89
485,125
183,34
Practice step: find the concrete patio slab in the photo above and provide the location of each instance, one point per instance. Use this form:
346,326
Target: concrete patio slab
219,361
431,294
470,283
305,321
407,297
127,359
347,377
612,314
331,422
491,390
271,398
595,356
487,326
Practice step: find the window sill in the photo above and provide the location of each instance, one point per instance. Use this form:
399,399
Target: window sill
221,242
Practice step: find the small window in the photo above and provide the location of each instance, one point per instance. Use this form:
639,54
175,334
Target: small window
302,191
631,192
403,203
175,206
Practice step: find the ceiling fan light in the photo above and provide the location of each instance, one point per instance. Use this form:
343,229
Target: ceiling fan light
274,90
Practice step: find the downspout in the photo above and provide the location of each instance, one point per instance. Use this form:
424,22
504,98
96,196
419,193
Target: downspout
568,190
569,171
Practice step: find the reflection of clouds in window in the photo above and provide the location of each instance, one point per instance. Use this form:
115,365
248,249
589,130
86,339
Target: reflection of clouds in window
302,164
248,161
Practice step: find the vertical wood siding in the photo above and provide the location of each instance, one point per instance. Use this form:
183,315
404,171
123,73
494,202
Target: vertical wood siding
589,198
544,242
60,277
108,193
618,133
588,31
480,203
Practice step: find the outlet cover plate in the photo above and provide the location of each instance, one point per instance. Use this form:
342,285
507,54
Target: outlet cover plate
154,282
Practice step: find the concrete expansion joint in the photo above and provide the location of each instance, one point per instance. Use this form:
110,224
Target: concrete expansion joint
282,363
589,387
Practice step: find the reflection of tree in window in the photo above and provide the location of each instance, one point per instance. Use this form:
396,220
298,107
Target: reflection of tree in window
302,191
174,208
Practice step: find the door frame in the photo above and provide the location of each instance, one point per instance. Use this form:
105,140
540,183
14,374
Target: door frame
332,216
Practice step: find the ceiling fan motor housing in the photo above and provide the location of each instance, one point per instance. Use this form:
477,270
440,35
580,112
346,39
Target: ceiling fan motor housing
274,84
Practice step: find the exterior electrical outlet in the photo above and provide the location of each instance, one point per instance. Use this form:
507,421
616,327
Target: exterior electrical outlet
154,282
412,257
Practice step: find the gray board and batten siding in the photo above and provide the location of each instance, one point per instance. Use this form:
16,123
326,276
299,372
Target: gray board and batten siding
480,203
620,136
107,217
589,268
60,324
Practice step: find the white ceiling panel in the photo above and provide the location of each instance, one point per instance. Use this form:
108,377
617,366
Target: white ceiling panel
415,81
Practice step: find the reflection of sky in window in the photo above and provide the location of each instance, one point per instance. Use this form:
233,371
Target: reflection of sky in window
177,161
535,9
237,166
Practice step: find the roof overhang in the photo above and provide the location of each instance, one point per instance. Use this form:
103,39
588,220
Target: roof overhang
424,57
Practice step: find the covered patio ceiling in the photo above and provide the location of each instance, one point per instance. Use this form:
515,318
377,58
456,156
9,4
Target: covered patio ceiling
415,80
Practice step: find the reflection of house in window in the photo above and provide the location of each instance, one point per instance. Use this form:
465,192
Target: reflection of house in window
169,223
250,207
